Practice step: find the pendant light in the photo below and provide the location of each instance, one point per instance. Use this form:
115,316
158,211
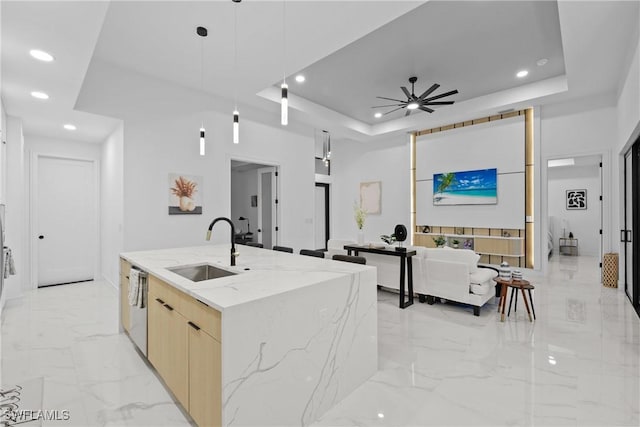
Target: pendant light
202,32
236,114
284,103
326,147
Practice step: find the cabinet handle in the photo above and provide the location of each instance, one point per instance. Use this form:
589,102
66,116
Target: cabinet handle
194,326
168,307
159,300
127,277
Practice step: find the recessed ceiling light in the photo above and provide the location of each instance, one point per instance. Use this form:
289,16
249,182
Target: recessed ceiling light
41,55
413,106
39,95
377,115
522,74
542,62
300,78
380,415
69,126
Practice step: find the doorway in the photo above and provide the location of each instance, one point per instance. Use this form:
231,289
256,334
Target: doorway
574,208
321,216
64,222
254,202
631,219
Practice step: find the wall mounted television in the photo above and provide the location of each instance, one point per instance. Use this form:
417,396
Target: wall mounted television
477,187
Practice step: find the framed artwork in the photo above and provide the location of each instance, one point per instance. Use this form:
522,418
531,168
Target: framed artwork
370,197
254,201
576,200
185,194
477,187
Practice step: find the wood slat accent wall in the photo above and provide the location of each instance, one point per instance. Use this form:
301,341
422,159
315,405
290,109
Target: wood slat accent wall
528,232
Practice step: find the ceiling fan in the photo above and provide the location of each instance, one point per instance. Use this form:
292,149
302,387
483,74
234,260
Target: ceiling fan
414,102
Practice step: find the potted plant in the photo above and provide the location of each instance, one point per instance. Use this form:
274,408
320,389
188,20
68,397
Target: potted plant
439,241
359,215
455,242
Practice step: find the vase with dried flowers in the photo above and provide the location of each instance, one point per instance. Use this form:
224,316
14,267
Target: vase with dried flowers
184,189
360,215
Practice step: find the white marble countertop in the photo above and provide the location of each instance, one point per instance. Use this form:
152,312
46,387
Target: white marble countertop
262,273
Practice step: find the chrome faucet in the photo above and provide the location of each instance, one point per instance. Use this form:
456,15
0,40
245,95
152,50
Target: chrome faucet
234,254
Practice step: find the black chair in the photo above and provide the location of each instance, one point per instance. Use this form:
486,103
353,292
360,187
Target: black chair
350,258
255,244
283,249
309,252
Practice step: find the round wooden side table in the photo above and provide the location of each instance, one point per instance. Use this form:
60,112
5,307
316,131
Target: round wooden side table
521,285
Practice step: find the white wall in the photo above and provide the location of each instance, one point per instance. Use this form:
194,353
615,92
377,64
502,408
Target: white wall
111,208
16,208
154,149
584,224
3,154
628,127
575,129
243,186
498,144
353,163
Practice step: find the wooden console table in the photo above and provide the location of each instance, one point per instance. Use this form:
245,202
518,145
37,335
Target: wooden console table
403,255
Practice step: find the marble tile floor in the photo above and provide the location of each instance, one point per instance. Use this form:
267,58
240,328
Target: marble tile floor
577,364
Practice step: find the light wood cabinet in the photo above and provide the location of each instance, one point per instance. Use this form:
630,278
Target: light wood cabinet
205,382
125,268
184,347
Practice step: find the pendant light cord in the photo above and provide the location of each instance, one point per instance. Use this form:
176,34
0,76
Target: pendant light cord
202,70
235,55
284,41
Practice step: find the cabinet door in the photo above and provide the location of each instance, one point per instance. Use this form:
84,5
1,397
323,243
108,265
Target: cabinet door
205,379
156,329
167,347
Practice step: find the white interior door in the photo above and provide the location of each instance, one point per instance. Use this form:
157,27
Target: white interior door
627,233
267,214
65,221
320,217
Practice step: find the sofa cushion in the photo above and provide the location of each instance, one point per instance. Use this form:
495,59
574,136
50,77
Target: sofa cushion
482,275
465,256
477,289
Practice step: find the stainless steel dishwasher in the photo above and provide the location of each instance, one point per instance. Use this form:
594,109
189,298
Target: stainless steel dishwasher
138,317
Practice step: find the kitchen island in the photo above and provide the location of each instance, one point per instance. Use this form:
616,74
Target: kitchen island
278,343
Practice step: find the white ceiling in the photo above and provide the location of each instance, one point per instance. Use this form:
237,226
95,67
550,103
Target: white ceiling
474,47
128,59
69,31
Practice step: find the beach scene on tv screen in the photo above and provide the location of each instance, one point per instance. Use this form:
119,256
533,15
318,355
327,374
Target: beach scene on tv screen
478,187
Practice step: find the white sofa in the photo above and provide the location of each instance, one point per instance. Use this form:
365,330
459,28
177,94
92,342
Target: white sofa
452,274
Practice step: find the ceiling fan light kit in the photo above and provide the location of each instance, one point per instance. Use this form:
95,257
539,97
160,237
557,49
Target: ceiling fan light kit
413,102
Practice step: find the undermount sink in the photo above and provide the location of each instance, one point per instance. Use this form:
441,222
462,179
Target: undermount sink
198,273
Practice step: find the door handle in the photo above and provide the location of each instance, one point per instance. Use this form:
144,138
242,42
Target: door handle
628,235
259,230
194,326
623,235
41,237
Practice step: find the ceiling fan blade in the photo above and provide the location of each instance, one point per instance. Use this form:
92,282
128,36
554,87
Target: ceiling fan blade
388,112
390,99
442,95
406,92
390,105
429,91
407,113
439,103
428,110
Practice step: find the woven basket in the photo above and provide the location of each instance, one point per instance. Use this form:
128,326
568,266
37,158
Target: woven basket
610,270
